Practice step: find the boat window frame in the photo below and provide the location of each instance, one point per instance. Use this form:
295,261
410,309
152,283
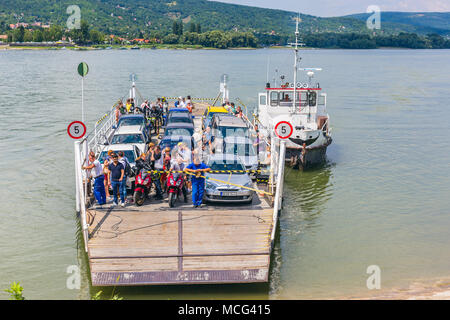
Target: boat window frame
310,94
274,103
263,97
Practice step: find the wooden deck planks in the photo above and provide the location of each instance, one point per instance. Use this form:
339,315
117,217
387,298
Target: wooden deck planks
154,244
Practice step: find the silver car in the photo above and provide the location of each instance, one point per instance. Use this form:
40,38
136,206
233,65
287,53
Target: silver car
228,189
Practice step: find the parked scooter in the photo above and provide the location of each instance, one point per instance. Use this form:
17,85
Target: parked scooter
143,184
175,185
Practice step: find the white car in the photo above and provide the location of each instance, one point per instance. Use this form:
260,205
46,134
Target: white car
135,135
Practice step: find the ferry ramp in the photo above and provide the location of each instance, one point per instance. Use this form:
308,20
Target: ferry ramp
155,244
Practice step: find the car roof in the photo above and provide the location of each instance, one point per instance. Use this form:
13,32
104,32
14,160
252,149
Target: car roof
236,139
183,125
217,109
178,110
126,116
230,121
180,115
119,147
129,129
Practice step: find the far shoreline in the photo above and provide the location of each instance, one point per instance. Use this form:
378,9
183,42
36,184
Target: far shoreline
7,47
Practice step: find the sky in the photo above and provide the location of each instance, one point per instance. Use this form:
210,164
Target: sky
331,8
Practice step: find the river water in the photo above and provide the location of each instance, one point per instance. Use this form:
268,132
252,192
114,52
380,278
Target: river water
382,199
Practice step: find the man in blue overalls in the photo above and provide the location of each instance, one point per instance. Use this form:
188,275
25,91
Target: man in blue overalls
198,183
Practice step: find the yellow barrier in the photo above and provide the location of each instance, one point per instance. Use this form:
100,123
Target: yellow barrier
213,171
232,184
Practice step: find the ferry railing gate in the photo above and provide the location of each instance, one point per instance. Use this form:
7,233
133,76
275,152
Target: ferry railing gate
279,189
81,199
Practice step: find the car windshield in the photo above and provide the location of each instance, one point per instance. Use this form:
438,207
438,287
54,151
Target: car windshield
233,132
226,165
129,154
240,149
179,120
127,138
179,132
172,143
131,121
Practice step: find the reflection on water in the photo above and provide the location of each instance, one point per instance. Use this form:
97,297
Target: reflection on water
304,199
305,196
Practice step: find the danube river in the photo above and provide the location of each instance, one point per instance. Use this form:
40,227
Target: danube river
382,199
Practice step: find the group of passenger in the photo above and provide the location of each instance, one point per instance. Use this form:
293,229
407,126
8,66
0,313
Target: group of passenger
177,160
183,102
237,111
113,174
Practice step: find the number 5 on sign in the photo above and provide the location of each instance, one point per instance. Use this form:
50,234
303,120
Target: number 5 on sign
76,130
284,130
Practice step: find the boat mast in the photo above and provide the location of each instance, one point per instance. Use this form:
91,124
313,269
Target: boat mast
295,64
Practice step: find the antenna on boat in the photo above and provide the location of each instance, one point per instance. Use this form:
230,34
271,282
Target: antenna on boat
133,79
310,73
296,44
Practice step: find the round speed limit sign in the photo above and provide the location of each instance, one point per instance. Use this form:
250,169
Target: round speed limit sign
76,130
284,130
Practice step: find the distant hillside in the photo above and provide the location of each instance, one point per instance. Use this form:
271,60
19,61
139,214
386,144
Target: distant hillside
417,22
134,17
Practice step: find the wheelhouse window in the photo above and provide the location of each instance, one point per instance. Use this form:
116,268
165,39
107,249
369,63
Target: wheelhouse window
274,98
312,98
287,98
262,100
303,98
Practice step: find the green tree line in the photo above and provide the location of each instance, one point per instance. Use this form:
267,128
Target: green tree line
87,35
365,41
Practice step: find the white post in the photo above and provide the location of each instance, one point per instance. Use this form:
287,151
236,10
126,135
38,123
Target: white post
77,166
79,176
278,194
82,99
272,161
86,161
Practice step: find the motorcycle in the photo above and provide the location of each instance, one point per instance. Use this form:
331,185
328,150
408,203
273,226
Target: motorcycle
175,185
143,184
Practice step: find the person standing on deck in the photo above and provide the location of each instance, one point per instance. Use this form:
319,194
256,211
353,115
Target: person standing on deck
155,160
106,163
99,178
116,173
123,186
177,103
117,112
128,106
198,183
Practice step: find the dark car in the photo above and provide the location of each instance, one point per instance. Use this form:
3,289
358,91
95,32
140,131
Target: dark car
179,129
179,117
173,141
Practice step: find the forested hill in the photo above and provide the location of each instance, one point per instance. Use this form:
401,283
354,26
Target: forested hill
149,17
417,22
